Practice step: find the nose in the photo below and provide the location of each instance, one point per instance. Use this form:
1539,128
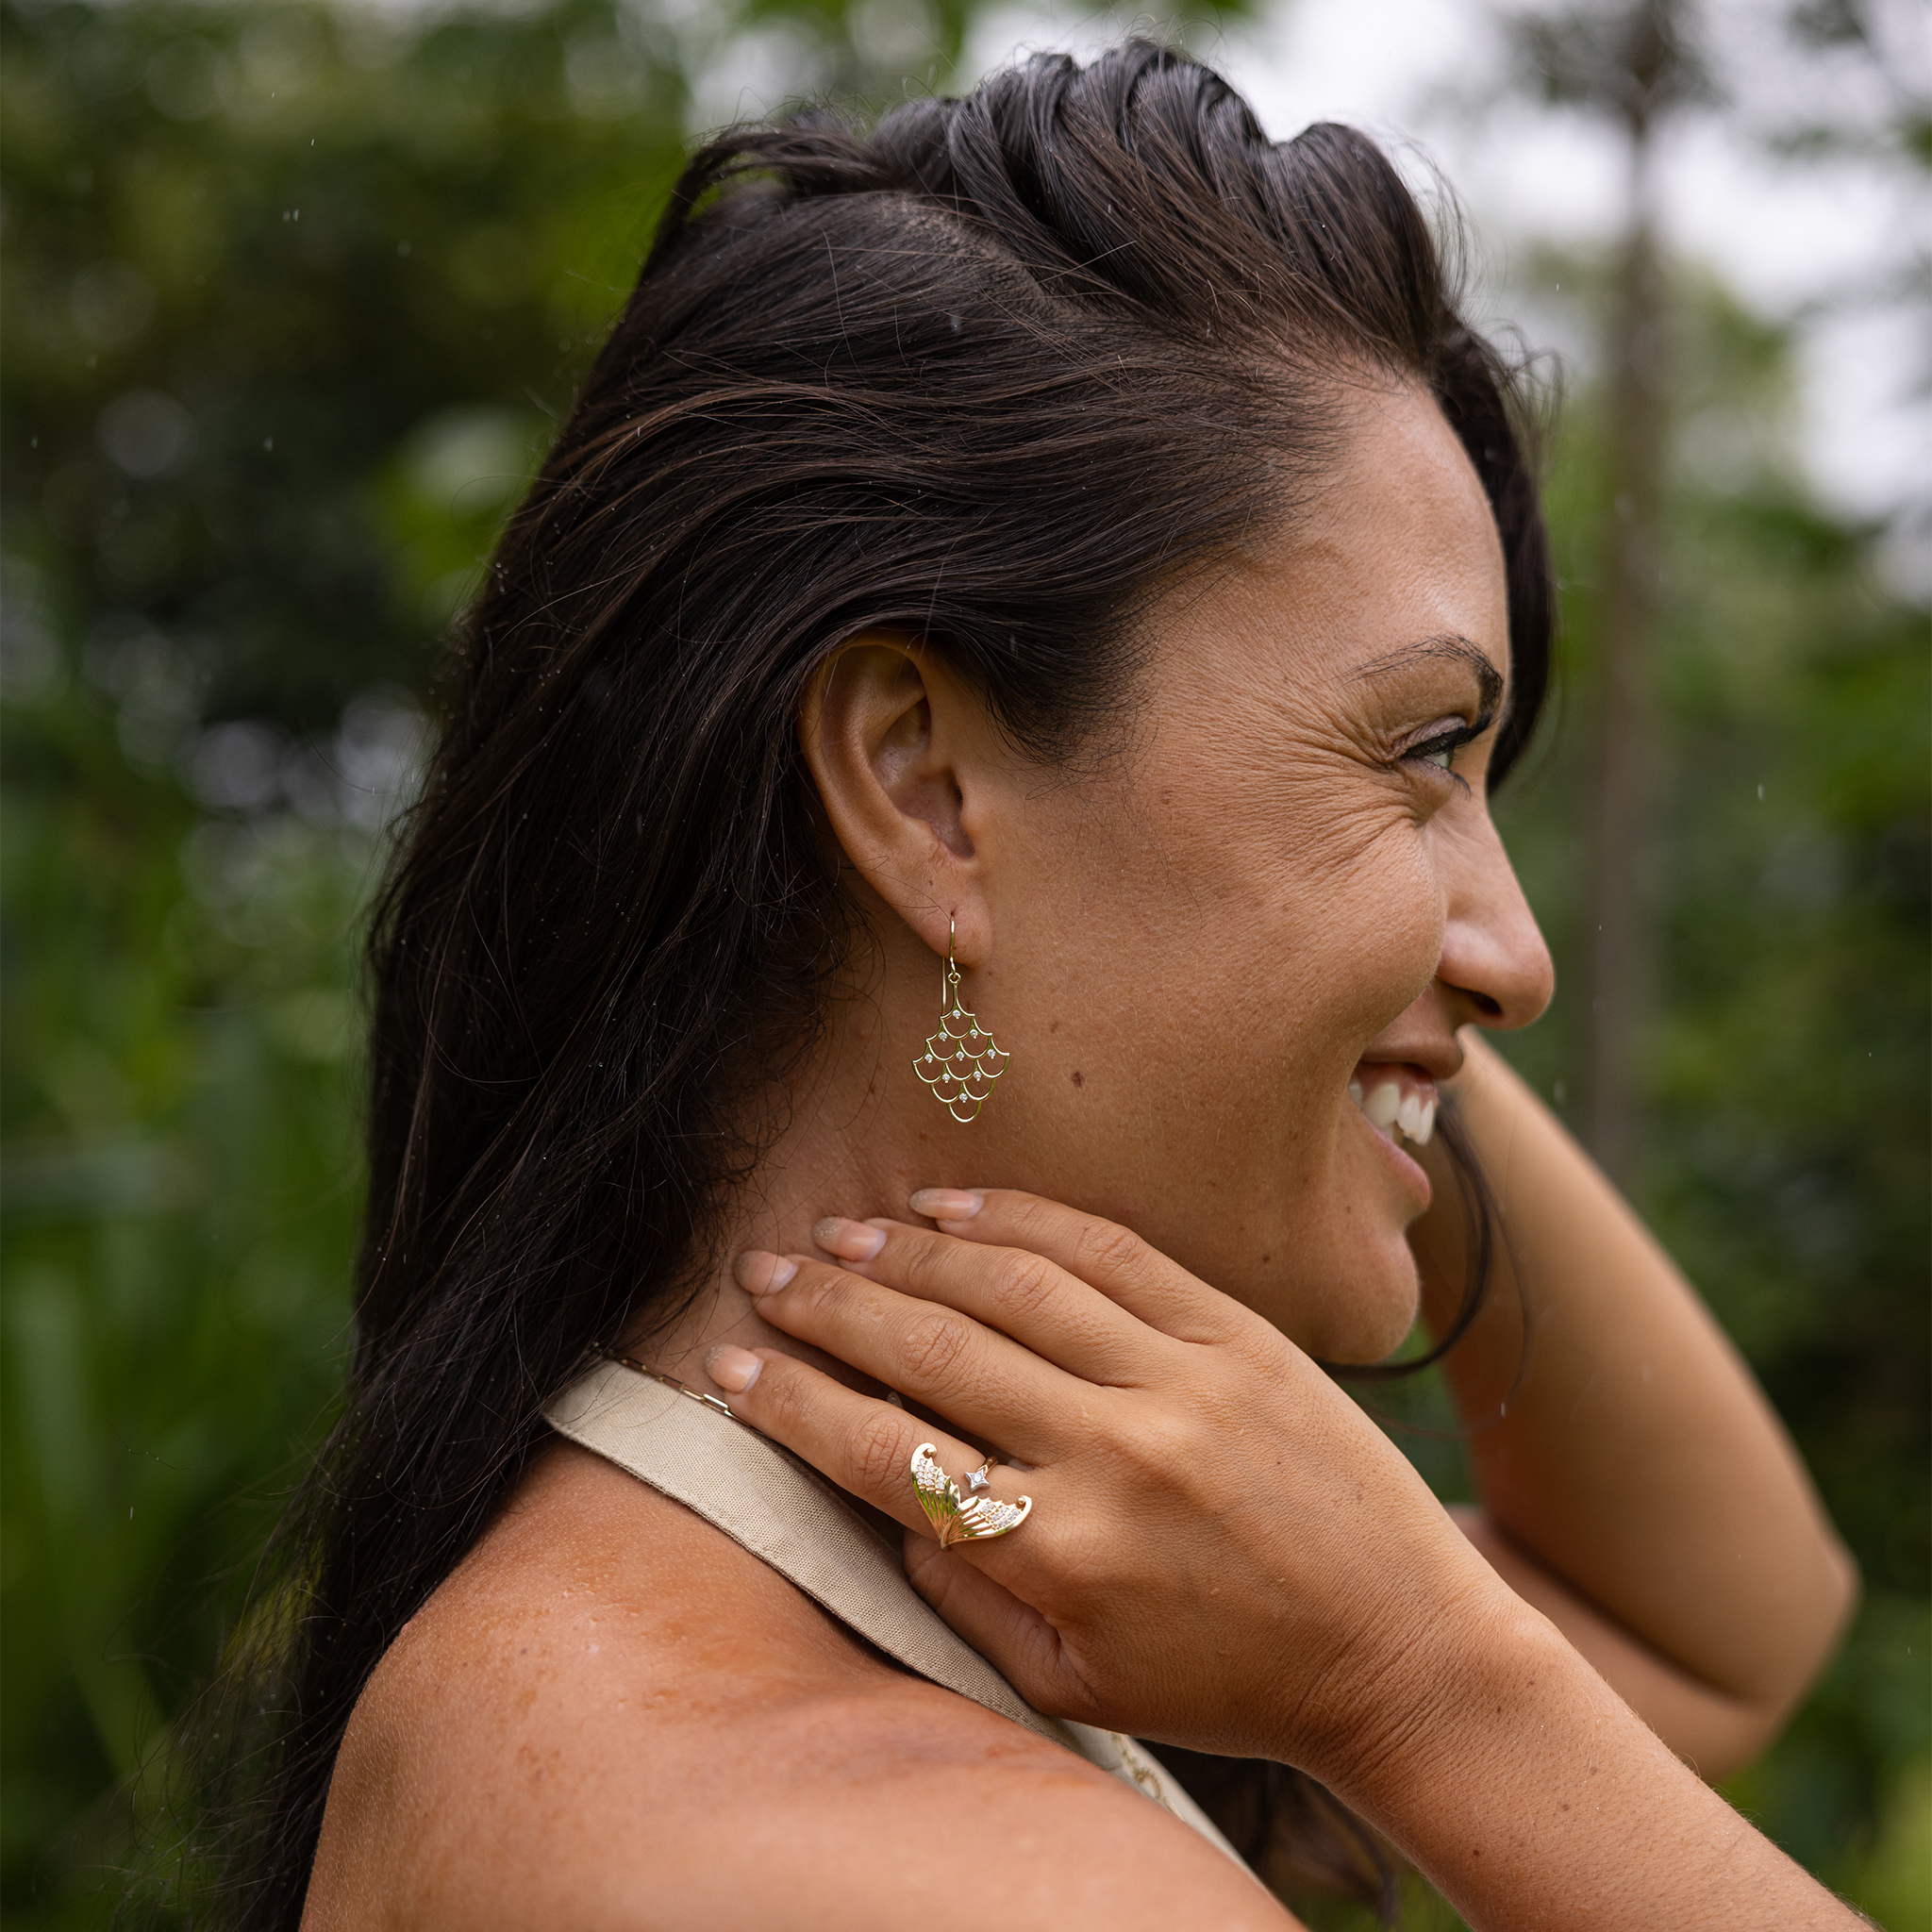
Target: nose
1494,967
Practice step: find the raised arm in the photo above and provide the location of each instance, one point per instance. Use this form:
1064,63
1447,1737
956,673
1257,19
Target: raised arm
1636,1486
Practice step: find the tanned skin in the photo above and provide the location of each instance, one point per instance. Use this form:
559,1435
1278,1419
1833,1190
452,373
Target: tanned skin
1280,880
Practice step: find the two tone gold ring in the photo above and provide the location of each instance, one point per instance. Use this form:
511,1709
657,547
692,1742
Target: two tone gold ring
956,1521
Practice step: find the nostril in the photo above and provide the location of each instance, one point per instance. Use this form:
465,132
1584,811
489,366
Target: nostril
1487,1007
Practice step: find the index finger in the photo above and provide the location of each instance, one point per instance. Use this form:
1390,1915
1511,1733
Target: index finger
1102,1253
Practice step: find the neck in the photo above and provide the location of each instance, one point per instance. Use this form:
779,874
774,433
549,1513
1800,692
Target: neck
856,1144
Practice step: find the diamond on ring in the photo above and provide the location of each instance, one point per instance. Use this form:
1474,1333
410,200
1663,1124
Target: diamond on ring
958,1521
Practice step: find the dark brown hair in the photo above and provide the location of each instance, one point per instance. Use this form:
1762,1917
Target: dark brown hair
993,373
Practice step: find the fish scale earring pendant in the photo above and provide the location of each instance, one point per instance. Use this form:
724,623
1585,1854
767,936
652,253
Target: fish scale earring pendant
961,1061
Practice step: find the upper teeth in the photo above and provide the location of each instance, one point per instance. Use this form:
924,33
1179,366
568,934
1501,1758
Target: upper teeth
1388,1108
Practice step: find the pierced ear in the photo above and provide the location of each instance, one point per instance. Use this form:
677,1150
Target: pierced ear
893,740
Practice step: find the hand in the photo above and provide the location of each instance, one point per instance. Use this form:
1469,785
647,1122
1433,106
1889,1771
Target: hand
1224,1552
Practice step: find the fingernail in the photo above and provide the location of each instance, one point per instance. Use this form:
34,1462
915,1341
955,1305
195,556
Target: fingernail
759,1273
851,1241
946,1203
734,1370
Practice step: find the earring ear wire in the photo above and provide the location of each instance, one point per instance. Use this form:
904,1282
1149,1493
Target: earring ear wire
961,1061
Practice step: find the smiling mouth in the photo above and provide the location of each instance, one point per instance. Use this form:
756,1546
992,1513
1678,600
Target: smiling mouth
1397,1100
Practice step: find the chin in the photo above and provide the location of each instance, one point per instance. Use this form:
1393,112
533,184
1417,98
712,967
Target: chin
1355,1314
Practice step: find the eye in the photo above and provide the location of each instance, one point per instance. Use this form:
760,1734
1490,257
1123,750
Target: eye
1440,751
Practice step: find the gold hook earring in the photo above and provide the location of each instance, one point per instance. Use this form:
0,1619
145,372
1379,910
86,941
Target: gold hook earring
960,1063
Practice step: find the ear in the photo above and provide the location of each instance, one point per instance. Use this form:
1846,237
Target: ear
899,749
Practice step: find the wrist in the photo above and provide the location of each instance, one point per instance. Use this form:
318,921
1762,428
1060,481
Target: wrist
1454,1698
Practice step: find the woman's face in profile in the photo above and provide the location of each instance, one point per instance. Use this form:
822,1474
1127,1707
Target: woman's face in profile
1263,922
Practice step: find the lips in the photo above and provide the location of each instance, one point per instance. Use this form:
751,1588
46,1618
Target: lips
1398,1100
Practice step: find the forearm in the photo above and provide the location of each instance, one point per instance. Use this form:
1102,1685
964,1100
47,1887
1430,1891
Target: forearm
1618,1438
1714,1730
1532,1797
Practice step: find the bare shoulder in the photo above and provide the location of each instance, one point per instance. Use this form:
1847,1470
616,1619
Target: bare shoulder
612,1717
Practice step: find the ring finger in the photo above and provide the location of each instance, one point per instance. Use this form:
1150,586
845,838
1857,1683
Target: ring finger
865,1446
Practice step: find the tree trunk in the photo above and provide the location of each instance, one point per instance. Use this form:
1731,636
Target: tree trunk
1618,933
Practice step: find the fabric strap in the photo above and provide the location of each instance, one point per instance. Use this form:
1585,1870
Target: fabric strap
787,1514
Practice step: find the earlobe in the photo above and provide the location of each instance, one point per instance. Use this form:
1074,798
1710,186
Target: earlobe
889,737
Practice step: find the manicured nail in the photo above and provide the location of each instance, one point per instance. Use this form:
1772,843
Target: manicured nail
946,1203
761,1273
851,1241
734,1370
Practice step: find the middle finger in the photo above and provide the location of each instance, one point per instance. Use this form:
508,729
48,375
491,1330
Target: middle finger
1030,1297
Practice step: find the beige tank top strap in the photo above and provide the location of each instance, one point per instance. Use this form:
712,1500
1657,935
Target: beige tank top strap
788,1516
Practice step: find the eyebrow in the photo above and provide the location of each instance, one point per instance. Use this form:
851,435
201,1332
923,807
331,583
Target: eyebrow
1489,680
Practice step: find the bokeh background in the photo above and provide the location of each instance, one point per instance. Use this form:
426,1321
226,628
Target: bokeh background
295,293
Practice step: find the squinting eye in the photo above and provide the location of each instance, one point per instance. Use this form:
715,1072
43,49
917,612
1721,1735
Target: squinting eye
1439,751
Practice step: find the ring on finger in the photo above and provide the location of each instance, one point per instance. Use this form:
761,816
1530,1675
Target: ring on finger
958,1521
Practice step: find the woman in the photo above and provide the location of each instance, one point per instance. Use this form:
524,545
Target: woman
1063,555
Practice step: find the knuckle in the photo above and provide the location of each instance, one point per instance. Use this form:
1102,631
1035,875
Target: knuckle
1160,1448
879,1454
1023,1283
926,1261
1107,1248
934,1345
1029,1216
823,1291
781,1396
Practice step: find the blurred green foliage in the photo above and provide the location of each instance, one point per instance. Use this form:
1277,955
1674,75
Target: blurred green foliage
280,278
292,297
1786,1156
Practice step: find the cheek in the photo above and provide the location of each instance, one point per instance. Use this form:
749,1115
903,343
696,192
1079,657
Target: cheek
1190,998
1364,937
1233,962
1329,1262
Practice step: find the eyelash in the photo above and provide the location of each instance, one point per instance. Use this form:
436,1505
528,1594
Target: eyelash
1445,745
